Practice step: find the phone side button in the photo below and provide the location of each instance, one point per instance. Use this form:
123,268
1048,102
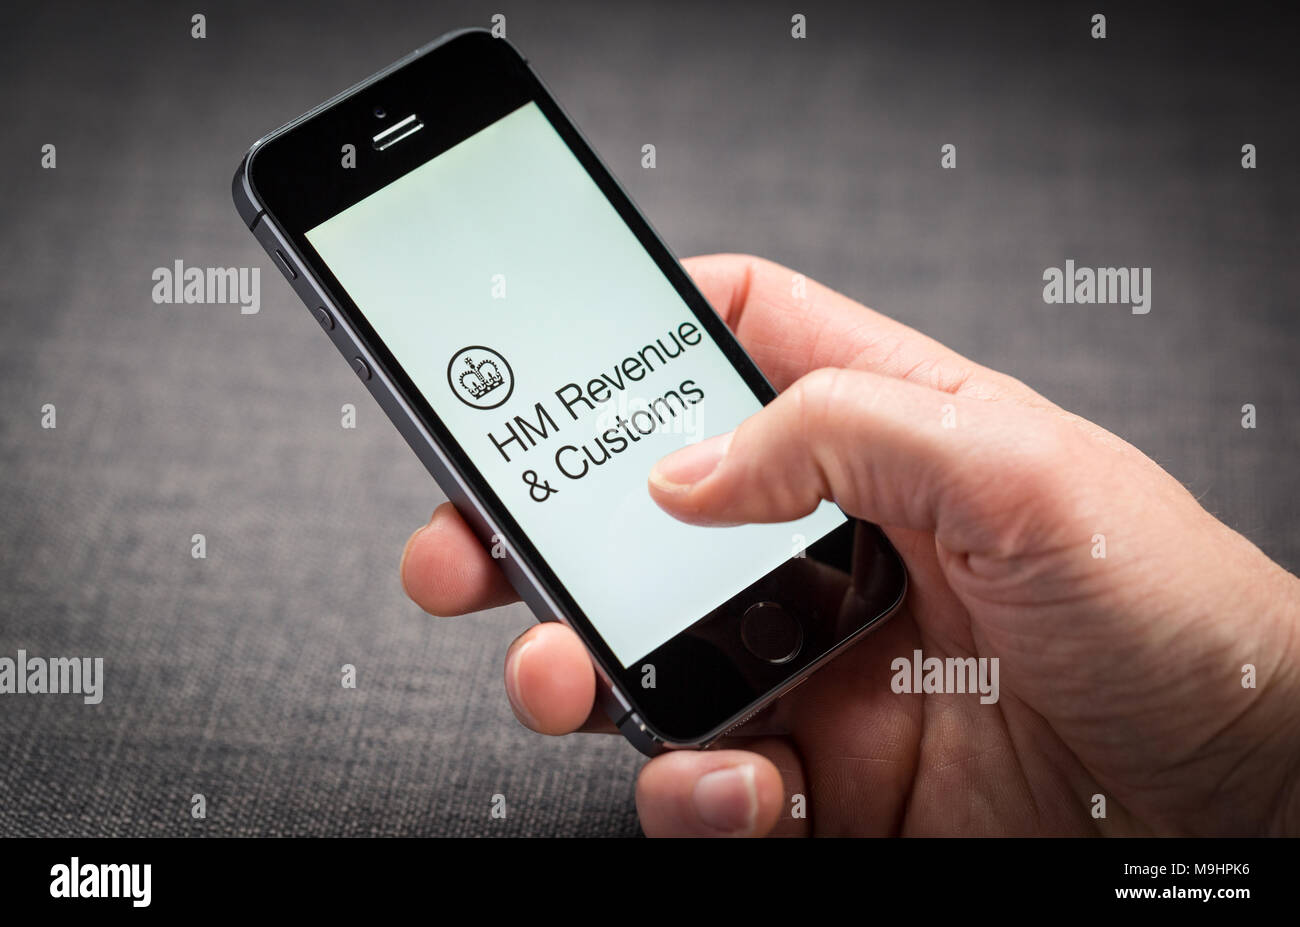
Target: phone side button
361,367
285,265
324,317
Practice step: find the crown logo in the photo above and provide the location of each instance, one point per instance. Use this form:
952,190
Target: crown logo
481,378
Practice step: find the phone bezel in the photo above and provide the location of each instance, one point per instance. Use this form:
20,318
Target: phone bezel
296,179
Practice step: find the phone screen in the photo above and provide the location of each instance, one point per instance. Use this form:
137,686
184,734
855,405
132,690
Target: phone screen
564,363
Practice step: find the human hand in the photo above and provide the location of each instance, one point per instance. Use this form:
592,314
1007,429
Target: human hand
1119,675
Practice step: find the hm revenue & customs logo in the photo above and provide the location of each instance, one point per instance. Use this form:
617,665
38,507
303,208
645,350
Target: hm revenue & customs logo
480,377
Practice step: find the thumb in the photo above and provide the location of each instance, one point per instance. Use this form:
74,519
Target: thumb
885,450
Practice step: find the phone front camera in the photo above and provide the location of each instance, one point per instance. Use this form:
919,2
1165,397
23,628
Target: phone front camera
379,112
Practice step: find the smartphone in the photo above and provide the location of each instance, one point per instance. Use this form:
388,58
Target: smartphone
539,347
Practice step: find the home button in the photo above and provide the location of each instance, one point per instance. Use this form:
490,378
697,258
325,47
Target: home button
770,633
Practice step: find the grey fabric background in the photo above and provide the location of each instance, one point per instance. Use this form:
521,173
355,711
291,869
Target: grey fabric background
222,675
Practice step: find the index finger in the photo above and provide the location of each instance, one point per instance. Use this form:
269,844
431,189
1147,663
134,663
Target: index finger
446,571
791,325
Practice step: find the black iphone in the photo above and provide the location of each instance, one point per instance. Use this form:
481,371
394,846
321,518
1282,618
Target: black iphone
540,348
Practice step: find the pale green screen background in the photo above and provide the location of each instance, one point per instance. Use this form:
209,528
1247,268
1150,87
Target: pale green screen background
505,241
